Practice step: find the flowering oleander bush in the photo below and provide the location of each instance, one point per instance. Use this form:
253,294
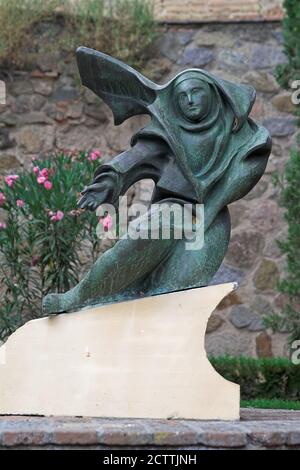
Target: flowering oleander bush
42,233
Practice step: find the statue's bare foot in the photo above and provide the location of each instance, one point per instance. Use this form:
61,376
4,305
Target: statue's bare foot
52,303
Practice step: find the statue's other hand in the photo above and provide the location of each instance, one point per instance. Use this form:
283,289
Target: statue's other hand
94,195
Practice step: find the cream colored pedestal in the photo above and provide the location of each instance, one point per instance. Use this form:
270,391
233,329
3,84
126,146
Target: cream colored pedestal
142,358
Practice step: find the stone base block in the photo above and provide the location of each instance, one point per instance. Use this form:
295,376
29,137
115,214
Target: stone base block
143,358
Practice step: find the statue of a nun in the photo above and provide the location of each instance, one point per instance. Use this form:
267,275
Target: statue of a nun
200,147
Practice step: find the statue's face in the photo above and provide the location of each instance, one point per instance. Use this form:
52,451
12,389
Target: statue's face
192,98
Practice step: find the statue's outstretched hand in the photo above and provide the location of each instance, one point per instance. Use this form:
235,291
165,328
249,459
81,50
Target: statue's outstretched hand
98,193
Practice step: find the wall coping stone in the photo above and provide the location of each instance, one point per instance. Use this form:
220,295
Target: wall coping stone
181,11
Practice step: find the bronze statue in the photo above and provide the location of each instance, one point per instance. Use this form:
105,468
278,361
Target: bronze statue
200,147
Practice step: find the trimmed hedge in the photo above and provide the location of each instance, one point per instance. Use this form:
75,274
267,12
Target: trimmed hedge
270,378
273,404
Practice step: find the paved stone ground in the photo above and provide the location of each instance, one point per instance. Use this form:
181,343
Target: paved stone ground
257,429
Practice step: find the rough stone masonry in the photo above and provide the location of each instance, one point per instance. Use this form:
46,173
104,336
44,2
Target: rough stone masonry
47,110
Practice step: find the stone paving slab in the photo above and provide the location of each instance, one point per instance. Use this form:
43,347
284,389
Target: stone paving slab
257,429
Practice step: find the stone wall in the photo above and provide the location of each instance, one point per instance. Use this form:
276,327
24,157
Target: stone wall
217,10
249,54
46,109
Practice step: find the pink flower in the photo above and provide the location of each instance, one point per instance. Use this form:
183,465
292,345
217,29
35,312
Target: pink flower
36,170
56,217
20,203
2,225
48,185
60,215
2,199
41,179
44,172
107,222
10,179
95,155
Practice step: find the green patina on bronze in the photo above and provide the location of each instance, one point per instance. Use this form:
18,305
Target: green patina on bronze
200,147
